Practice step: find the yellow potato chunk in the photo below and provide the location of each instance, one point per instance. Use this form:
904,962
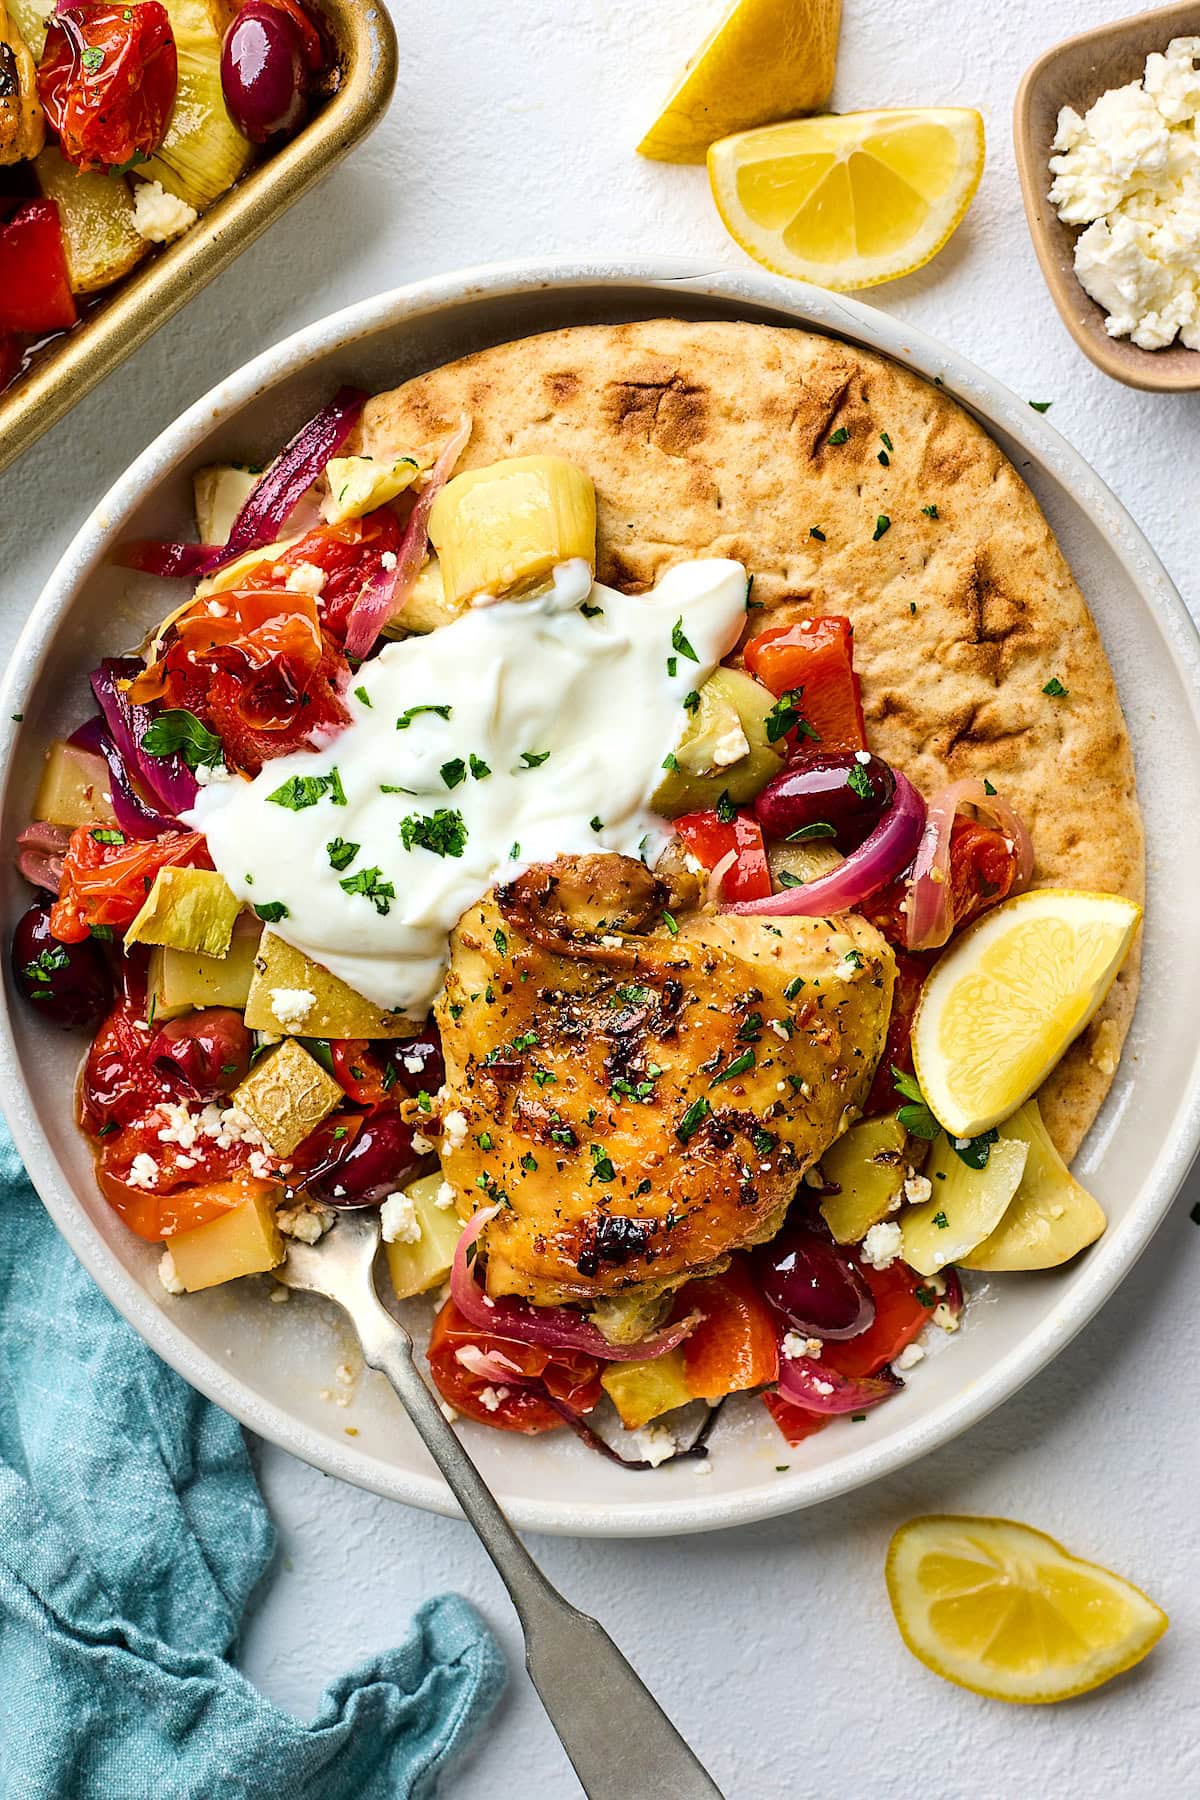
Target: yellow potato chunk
425,1263
182,979
243,1241
74,789
641,1391
868,1164
287,1095
337,1011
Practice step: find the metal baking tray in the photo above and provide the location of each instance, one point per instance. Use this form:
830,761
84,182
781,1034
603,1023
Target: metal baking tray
69,367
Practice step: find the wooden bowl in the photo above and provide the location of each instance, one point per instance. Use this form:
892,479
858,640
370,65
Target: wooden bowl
1076,73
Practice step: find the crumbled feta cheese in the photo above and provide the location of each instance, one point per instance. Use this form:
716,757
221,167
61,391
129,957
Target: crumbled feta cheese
398,1220
946,1317
143,1171
421,1144
917,1189
730,747
306,578
881,1246
851,966
610,941
796,1346
823,1387
1129,170
448,1412
444,1197
388,560
780,1029
158,216
291,1006
279,1294
210,772
454,1130
413,1064
862,756
308,1221
909,1357
168,1274
491,1397
703,1467
653,1444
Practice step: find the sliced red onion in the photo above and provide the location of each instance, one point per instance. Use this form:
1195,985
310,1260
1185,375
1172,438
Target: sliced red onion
929,914
878,860
386,592
271,502
553,1327
166,779
806,1381
133,815
40,852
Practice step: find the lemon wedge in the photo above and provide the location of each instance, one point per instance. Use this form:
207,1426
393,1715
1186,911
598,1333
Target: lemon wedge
848,201
767,59
1004,1610
1001,1006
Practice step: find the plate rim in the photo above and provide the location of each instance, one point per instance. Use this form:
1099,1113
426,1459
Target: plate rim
841,316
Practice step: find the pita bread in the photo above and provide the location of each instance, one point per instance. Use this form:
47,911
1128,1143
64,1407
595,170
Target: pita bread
715,439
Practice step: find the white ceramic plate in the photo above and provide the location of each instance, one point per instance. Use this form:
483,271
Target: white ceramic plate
290,1372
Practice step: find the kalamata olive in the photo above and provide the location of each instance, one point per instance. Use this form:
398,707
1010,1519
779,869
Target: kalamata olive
68,984
831,787
379,1159
815,1286
418,1062
262,72
204,1054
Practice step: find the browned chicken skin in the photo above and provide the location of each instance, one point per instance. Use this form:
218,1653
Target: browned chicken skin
641,1101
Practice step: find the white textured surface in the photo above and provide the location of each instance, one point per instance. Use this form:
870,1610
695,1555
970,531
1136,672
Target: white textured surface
772,1646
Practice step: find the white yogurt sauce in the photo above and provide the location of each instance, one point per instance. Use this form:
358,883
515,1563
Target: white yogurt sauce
572,712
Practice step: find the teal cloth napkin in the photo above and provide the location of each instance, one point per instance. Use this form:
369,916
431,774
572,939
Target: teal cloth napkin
132,1534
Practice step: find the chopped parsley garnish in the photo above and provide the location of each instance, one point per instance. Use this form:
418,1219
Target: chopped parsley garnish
672,666
786,879
785,716
671,923
814,531
738,1066
44,967
177,732
640,1090
104,932
680,642
669,762
916,1117
941,1221
859,782
360,693
500,941
819,829
854,958
1055,689
793,987
882,524
272,911
925,1296
726,810
634,994
479,769
104,834
750,1028
301,791
453,772
369,883
514,852
341,853
596,822
840,436
883,457
602,1169
541,1077
443,833
92,58
691,702
533,759
692,1119
987,786
1042,406
529,1163
930,512
975,1151
414,712
886,441
589,611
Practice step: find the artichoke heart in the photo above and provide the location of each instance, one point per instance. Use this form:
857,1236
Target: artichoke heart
725,749
502,531
203,152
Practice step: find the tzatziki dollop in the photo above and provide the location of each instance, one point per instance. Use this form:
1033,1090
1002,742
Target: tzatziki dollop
523,731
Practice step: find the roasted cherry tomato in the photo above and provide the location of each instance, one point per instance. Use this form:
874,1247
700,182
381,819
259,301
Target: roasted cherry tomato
814,660
363,1070
983,867
120,1083
734,1345
179,1200
107,81
104,884
204,1054
711,838
35,288
501,1382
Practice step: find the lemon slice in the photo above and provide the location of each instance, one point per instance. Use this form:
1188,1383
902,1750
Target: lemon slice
766,59
850,200
1003,1003
1005,1611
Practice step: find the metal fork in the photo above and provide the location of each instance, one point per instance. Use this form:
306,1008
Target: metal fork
620,1742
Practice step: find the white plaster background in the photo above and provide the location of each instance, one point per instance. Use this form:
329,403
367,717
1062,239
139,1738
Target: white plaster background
512,133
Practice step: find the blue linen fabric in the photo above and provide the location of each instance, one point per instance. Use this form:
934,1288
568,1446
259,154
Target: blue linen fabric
132,1534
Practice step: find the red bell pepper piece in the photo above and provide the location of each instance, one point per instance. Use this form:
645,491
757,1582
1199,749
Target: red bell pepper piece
710,838
817,656
795,1422
983,867
35,289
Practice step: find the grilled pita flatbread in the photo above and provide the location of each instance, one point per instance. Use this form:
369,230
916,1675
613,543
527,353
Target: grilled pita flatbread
714,439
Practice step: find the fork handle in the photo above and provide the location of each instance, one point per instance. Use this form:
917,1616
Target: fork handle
618,1738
